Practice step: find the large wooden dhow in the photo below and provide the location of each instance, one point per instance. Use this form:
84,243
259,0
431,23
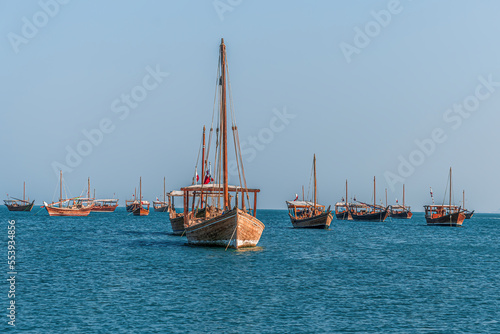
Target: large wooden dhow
214,219
16,204
309,214
399,211
444,215
75,206
368,212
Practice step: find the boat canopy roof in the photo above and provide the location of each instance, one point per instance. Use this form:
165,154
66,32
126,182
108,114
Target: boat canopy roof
302,204
111,200
399,206
353,205
217,188
441,206
176,193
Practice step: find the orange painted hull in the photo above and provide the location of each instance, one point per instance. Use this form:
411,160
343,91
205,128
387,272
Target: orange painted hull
234,229
141,212
68,212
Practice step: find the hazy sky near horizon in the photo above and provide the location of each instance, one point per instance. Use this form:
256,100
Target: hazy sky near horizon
400,90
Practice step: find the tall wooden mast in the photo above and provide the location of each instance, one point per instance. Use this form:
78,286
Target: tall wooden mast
164,190
463,199
24,190
303,193
140,190
386,197
224,121
346,205
202,167
374,193
88,187
315,190
60,188
403,196
450,189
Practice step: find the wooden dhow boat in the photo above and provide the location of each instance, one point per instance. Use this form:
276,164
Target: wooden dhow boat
75,206
309,214
368,212
140,208
468,214
214,220
401,211
176,218
161,206
444,215
16,204
100,205
342,211
131,204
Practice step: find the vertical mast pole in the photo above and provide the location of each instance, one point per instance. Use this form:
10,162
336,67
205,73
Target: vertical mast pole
140,190
24,190
88,187
374,193
224,122
450,189
164,190
202,167
346,205
386,197
315,190
60,188
302,193
463,200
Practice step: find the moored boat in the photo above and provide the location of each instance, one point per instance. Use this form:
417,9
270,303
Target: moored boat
309,214
75,206
368,212
401,211
176,218
161,206
16,204
215,221
141,208
468,214
342,211
444,215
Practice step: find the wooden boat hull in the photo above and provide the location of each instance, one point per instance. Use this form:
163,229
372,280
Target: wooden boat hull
377,216
234,229
321,221
105,208
469,214
26,207
161,208
343,216
177,225
141,212
401,215
454,219
68,212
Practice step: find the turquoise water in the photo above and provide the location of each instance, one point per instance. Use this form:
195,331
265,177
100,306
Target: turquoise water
120,273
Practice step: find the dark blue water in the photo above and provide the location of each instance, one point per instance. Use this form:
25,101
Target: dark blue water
119,273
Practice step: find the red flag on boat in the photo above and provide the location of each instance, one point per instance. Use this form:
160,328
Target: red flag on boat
296,197
396,200
208,178
196,173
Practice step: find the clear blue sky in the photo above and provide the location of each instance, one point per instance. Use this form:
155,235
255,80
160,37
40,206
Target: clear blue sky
360,112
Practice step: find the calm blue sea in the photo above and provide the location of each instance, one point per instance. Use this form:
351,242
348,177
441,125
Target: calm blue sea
117,273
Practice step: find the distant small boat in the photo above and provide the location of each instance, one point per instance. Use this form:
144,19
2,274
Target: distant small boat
468,214
75,206
161,206
131,204
16,204
342,211
444,215
309,214
101,205
401,211
140,208
368,212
